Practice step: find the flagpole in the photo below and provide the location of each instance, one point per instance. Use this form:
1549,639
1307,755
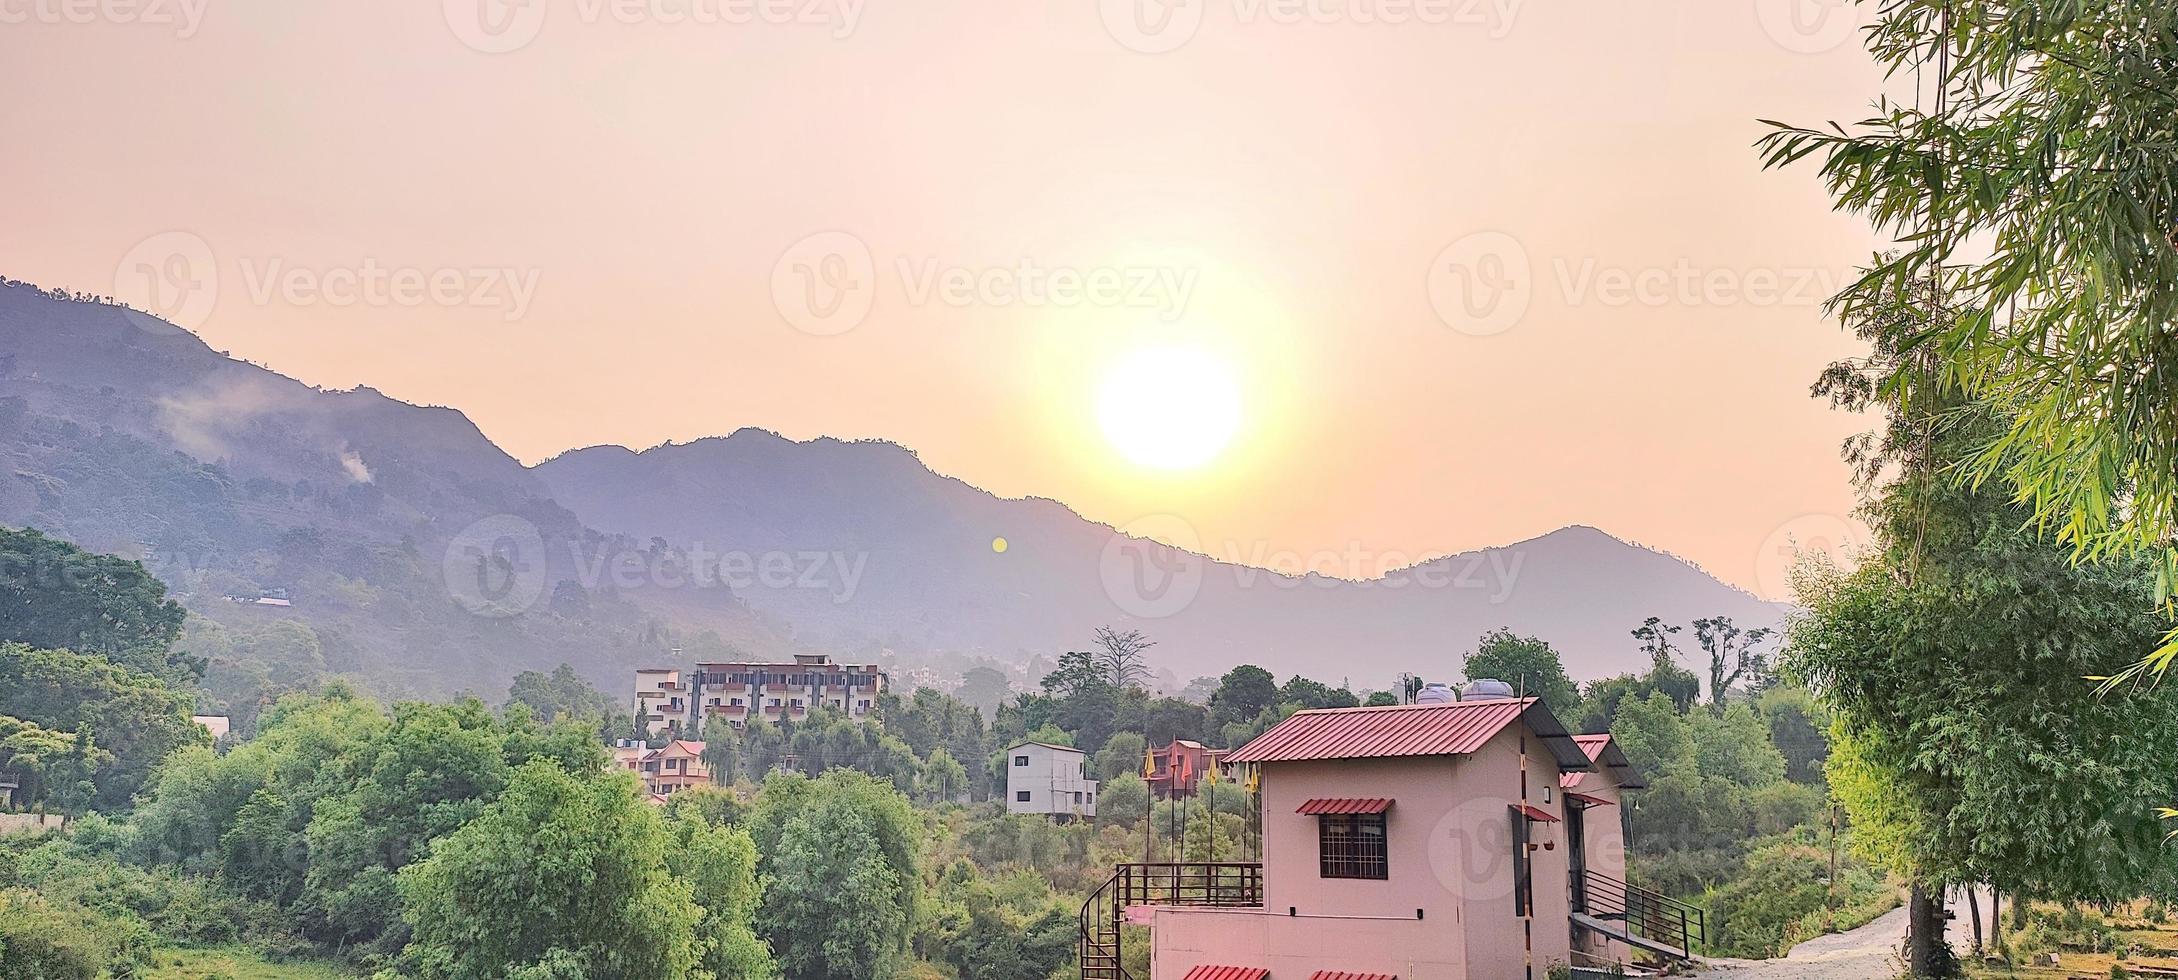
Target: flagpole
1149,768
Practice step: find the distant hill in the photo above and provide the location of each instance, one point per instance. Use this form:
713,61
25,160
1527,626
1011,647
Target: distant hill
128,435
930,577
322,533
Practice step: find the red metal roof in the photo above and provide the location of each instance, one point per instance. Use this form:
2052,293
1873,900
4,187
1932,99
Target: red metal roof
1314,807
1587,800
1603,754
1538,813
1208,972
1341,975
1453,728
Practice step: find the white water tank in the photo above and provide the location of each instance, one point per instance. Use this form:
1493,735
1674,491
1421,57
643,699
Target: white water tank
1486,689
1435,694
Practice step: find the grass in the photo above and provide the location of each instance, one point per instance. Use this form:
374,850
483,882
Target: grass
236,963
2086,942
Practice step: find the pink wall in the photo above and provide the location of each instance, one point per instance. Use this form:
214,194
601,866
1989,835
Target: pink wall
1606,855
1298,946
1449,845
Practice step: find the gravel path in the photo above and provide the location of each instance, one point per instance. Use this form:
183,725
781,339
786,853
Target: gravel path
1867,953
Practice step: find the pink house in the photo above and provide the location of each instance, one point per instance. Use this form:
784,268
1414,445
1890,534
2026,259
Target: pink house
1470,840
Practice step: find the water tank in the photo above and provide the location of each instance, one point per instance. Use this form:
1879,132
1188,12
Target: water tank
1485,689
1435,694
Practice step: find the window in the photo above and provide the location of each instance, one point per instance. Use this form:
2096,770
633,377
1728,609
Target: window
1019,761
1352,845
1077,799
1021,797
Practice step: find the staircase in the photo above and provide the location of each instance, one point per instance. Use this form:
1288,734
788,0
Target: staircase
1637,916
1196,884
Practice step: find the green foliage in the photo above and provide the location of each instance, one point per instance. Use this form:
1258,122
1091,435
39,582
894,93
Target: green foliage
1782,897
834,906
2037,193
560,694
982,934
1242,694
126,712
1120,800
49,763
892,822
719,864
43,941
55,596
558,874
1315,694
1527,664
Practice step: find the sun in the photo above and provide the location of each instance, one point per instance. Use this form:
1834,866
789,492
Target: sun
1169,408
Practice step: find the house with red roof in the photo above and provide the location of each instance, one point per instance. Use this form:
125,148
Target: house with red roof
1467,840
672,768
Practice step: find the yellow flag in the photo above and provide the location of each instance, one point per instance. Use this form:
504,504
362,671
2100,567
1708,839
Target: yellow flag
1149,763
1255,780
1211,777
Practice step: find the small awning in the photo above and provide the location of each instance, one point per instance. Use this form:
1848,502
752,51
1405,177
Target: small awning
1587,800
1539,814
1316,807
1208,972
1342,975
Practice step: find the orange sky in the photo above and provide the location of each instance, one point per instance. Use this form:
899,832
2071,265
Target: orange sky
1482,267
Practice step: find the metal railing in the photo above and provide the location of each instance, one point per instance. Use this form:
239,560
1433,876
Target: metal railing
1650,915
1199,884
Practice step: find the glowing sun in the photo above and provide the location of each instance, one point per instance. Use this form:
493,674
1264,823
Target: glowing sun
1170,408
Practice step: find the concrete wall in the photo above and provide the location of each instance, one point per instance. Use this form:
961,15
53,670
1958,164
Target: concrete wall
1499,943
1050,779
1606,830
1298,946
24,823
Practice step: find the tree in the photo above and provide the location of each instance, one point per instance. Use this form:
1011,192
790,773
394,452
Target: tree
1316,694
1734,655
557,870
1242,694
1665,674
55,596
2035,194
944,779
719,864
127,712
1124,656
49,763
1122,754
560,694
839,910
1966,747
1526,663
1797,725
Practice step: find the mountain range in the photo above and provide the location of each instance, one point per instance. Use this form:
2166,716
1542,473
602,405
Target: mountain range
321,532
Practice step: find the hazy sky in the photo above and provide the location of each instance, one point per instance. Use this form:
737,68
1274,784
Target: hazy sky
1473,269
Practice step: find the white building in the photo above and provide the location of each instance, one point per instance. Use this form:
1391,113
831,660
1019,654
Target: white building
661,704
1049,780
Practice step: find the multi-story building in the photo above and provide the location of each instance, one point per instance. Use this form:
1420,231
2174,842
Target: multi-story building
1469,840
661,703
738,691
1049,780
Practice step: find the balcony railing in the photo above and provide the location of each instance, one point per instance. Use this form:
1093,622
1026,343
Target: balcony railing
1193,884
1661,920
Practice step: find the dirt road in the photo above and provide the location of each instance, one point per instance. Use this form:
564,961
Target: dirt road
1867,953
